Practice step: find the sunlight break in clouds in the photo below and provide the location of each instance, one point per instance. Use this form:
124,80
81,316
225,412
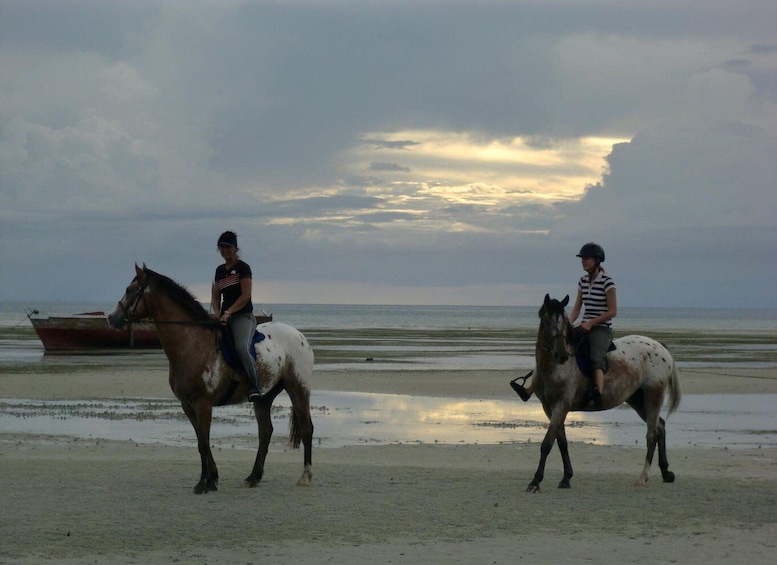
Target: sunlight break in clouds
459,168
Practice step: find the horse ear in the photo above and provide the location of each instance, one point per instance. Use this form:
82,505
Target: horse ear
138,271
547,299
565,301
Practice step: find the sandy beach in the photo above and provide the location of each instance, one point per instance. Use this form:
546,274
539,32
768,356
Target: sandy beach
94,501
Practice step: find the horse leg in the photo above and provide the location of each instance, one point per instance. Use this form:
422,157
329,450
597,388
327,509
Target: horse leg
663,462
264,422
556,422
648,406
302,431
563,446
200,416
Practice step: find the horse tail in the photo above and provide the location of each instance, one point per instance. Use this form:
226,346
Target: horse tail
675,394
295,434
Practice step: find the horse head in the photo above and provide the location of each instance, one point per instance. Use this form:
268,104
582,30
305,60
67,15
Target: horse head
554,329
151,294
132,306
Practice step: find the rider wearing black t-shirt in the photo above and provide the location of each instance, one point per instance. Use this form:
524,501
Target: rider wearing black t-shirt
231,303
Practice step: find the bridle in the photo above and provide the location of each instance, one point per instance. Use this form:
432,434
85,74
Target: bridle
129,313
549,335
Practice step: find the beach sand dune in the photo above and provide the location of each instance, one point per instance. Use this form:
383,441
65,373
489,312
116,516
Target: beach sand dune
87,501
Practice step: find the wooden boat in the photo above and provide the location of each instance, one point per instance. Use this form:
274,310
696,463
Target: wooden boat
91,331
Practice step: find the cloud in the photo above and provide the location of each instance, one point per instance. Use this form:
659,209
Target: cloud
353,142
391,167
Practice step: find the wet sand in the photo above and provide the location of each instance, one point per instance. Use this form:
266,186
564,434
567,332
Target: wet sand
95,501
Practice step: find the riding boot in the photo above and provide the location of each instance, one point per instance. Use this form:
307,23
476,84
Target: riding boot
596,396
254,392
522,392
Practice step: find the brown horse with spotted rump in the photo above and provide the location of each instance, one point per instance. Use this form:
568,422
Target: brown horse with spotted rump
201,379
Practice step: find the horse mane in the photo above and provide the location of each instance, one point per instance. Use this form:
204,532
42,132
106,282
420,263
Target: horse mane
180,295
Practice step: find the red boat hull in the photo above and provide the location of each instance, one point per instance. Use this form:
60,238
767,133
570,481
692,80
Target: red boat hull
91,331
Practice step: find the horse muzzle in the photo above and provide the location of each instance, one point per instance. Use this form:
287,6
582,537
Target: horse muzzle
560,356
116,318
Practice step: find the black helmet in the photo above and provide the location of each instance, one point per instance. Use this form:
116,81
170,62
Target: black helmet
592,250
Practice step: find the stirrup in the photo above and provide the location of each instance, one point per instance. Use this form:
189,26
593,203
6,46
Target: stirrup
519,389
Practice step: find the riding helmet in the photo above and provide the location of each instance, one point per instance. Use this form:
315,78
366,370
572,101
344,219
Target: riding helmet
228,238
593,250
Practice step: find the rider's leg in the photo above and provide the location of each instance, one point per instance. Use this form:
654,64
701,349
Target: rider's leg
243,328
599,379
599,340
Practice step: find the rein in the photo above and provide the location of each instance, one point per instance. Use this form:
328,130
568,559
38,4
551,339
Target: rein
211,324
129,313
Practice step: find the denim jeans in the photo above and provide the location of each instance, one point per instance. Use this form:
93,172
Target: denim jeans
243,327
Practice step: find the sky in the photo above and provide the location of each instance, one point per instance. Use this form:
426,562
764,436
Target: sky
391,152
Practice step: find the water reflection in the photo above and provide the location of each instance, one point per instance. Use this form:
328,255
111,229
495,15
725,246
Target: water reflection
358,418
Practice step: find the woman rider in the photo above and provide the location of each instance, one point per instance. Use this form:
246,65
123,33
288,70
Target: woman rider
231,304
597,297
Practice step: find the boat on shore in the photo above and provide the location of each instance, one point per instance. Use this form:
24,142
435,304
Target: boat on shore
90,331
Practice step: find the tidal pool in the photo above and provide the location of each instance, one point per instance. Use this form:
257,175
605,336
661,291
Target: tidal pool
341,418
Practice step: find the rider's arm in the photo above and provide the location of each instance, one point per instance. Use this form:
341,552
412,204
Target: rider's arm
245,295
215,300
576,308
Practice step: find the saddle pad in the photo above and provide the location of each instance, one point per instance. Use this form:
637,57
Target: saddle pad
228,348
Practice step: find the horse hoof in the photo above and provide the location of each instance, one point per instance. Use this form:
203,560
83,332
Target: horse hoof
668,477
564,484
534,489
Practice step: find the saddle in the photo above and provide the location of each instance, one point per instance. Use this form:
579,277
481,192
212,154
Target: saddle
583,352
228,346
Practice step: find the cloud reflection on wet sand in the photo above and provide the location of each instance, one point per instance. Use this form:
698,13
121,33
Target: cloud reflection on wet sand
344,418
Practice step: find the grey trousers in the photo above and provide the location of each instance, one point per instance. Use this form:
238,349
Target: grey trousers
599,339
243,328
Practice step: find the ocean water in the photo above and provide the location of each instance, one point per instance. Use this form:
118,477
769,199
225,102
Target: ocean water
373,337
431,338
352,316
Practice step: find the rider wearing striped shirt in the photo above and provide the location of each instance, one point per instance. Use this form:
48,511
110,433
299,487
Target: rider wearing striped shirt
597,298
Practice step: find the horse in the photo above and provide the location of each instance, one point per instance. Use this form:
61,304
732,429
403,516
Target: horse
200,378
641,373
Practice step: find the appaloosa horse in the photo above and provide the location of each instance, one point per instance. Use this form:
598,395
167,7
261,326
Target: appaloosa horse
641,373
201,379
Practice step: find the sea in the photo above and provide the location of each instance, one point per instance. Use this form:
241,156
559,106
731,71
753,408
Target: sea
381,339
449,337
